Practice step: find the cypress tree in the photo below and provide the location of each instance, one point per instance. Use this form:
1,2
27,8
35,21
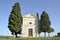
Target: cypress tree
38,24
15,20
45,22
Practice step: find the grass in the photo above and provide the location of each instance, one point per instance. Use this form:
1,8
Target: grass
42,38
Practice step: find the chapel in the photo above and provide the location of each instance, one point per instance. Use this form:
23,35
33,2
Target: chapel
30,26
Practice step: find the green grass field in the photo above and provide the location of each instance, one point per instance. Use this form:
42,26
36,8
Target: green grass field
11,38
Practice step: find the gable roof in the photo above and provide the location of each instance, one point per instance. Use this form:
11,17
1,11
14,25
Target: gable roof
30,15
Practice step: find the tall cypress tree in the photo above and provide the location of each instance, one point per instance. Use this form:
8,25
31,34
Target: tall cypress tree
15,20
45,22
38,24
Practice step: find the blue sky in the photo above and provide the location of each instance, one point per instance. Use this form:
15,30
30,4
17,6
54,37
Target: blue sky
52,7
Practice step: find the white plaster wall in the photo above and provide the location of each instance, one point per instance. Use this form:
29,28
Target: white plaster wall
26,26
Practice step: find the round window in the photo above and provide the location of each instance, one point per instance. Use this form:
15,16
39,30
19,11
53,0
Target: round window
30,22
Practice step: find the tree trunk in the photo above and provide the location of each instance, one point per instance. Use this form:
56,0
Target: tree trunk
44,34
38,35
48,34
14,35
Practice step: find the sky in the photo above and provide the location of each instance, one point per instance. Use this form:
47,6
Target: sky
52,7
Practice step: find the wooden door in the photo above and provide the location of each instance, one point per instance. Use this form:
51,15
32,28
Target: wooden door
30,32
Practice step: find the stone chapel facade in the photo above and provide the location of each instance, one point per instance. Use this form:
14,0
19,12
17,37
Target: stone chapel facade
30,26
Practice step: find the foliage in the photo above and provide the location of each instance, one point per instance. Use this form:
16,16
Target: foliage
58,34
15,19
44,22
38,23
50,30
